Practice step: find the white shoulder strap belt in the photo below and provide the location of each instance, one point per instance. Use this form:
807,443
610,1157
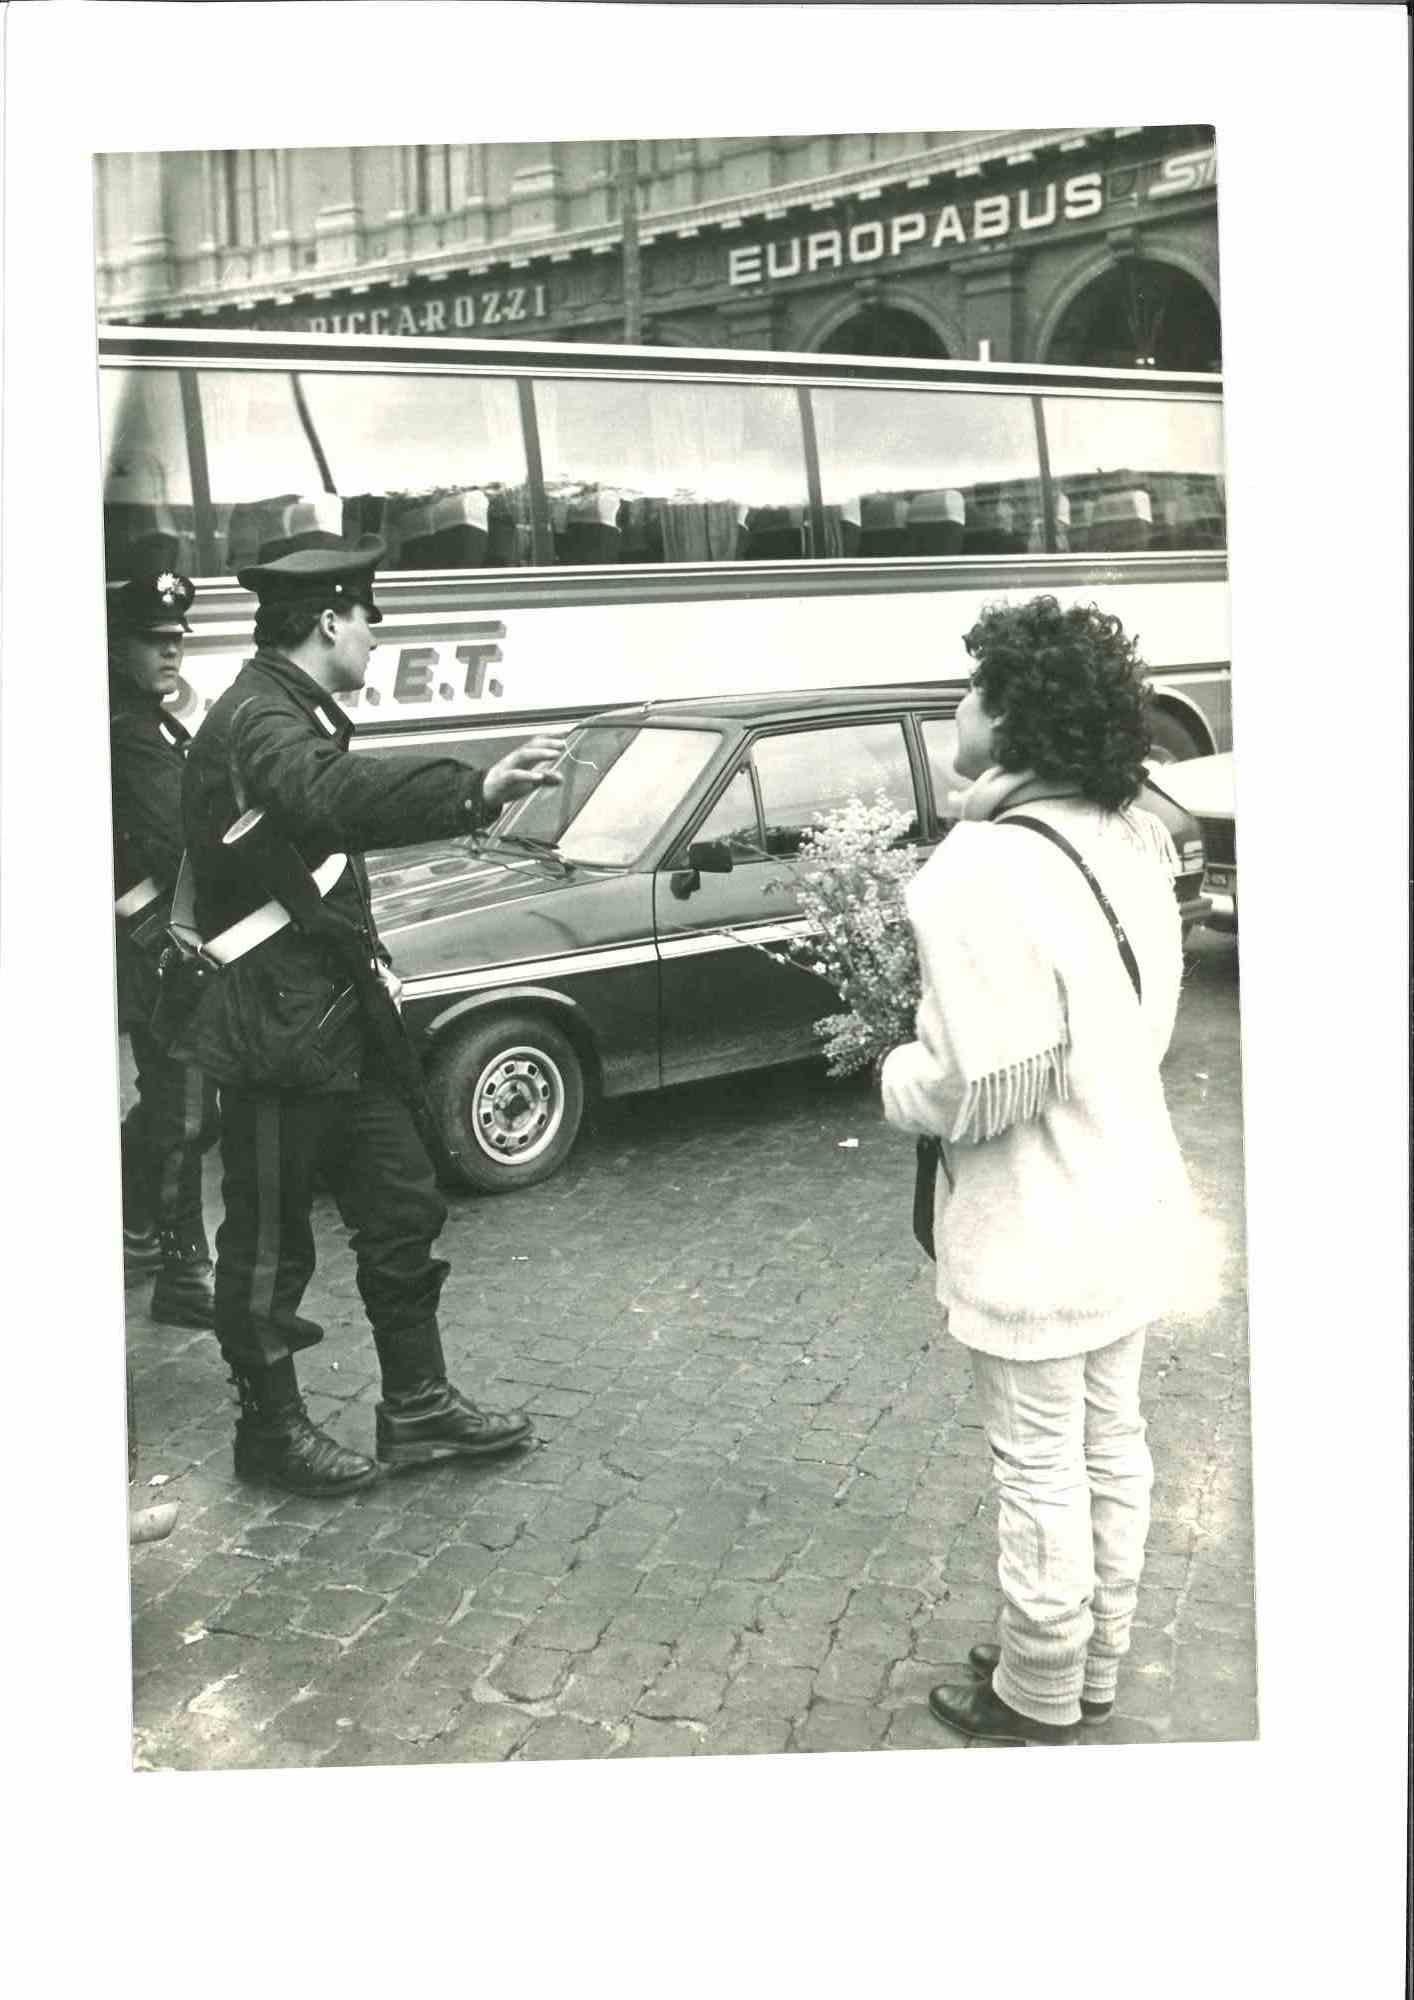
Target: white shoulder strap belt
134,900
244,936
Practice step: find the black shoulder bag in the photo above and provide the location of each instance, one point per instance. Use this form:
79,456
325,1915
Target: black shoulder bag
925,1180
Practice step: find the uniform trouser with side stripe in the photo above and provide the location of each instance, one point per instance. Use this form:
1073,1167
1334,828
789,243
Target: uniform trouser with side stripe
365,1147
164,1136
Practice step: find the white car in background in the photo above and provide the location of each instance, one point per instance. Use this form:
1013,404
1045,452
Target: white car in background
1203,787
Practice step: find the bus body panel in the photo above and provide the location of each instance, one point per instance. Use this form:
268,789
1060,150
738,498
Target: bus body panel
504,664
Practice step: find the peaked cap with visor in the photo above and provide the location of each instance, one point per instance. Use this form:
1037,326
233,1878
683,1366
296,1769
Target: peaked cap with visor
331,576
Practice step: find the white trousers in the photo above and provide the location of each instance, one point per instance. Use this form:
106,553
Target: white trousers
1073,1476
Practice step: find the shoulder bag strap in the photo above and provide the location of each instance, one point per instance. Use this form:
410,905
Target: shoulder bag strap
1126,950
929,1150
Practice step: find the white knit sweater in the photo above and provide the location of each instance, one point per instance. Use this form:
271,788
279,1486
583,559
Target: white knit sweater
1064,1215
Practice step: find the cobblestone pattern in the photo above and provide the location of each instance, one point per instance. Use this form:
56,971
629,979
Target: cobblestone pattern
758,1517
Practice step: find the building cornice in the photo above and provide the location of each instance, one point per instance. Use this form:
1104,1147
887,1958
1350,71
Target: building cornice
963,159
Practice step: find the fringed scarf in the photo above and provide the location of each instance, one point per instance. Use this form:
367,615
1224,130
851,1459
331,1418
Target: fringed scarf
992,995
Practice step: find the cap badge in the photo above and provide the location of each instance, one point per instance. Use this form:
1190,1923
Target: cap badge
167,587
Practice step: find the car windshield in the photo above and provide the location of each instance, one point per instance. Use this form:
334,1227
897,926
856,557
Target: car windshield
620,785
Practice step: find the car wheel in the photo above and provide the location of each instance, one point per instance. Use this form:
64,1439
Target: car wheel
1170,742
508,1096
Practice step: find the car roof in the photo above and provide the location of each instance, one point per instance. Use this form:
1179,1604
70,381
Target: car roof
799,704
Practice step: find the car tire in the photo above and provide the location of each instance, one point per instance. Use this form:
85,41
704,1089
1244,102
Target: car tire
508,1097
1170,742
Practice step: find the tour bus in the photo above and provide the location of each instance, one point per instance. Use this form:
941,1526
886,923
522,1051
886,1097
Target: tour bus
572,527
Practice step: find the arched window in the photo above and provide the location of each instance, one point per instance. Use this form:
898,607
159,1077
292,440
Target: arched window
882,329
1140,314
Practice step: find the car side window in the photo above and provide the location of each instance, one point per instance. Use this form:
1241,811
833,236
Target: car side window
806,772
940,744
733,819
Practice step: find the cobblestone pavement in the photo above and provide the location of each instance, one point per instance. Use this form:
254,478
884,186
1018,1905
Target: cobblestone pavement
759,1516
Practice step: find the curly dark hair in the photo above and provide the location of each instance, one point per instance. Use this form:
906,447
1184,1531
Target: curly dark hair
1066,691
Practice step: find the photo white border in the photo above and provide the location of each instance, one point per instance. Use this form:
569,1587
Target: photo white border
1276,1866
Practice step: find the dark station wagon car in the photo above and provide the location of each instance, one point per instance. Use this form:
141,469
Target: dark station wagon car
592,940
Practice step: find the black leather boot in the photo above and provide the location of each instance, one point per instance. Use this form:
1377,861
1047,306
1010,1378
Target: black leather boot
978,1711
422,1418
183,1294
277,1445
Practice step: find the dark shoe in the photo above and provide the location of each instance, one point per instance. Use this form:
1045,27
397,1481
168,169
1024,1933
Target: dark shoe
986,1658
437,1421
141,1252
422,1417
977,1712
277,1445
183,1294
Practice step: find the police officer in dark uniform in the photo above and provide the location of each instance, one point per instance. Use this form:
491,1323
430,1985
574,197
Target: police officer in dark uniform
174,1120
306,1087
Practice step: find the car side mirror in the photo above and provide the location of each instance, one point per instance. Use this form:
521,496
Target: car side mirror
710,857
704,857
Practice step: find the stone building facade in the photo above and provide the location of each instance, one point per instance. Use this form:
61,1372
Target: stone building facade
1087,246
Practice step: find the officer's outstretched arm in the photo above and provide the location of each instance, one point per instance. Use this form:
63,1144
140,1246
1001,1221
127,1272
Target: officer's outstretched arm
321,794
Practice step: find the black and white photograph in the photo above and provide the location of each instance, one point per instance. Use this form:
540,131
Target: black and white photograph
572,990
680,1081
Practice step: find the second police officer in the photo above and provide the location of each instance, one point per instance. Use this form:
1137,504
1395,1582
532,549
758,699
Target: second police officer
307,1089
173,1121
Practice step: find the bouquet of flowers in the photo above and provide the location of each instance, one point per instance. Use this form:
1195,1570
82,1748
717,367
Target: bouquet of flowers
854,867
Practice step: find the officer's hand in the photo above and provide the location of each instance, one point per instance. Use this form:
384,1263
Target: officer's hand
525,770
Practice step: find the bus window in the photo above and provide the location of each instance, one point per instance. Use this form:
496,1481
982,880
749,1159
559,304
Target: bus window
1136,472
146,476
922,474
672,471
810,771
434,464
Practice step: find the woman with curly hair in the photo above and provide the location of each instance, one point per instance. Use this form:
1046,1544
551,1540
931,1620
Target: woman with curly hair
1063,1220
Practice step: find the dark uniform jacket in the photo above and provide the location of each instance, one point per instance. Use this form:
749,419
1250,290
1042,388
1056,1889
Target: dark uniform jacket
147,749
276,740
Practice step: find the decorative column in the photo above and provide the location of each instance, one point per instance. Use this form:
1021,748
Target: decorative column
207,269
751,322
473,221
992,303
399,170
535,196
104,167
274,170
148,264
336,225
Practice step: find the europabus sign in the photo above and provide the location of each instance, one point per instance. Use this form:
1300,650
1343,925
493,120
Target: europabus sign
986,218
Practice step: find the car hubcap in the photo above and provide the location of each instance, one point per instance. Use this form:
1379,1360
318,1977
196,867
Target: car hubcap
518,1105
